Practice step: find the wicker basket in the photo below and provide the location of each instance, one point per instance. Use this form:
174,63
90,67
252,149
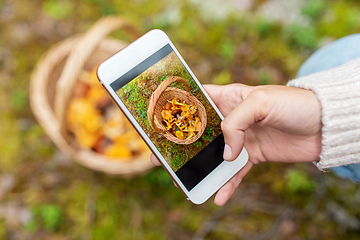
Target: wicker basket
52,84
158,99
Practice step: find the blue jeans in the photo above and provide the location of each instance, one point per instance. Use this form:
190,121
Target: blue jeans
332,55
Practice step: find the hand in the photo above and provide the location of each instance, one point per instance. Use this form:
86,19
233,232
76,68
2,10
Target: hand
273,123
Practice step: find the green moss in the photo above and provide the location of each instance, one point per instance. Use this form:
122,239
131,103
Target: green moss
45,217
11,144
3,231
35,135
18,99
208,134
223,78
265,27
314,9
300,36
340,20
177,160
198,144
265,79
298,181
159,177
227,51
58,10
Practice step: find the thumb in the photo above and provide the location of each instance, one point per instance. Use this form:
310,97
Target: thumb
248,112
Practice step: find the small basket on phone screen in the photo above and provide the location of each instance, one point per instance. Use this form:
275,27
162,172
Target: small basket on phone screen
161,96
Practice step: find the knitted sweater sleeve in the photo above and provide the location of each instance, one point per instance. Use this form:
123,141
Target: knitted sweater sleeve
338,91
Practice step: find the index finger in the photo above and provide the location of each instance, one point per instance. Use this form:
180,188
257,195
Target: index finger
154,160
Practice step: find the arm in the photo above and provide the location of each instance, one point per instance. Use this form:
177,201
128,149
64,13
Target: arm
338,91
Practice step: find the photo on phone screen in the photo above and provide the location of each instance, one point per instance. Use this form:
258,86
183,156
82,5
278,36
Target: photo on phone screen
175,114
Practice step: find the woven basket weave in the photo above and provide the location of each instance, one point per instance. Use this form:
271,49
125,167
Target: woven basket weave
158,99
51,89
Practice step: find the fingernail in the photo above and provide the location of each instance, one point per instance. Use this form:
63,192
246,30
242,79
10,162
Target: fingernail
227,152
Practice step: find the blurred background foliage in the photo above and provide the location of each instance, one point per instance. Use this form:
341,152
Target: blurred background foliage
44,195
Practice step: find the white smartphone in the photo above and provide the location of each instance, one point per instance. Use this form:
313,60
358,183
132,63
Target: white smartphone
166,104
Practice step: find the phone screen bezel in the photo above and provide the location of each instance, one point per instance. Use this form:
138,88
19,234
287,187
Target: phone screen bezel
125,60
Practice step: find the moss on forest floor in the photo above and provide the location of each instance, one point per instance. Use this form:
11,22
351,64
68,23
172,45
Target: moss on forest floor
54,198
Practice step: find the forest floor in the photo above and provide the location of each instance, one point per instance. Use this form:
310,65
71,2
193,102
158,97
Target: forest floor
46,195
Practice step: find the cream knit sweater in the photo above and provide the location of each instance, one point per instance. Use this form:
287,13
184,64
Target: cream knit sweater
338,91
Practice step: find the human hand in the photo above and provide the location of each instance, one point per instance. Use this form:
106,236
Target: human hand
273,123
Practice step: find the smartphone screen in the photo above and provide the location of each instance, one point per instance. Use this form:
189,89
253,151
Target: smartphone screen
175,114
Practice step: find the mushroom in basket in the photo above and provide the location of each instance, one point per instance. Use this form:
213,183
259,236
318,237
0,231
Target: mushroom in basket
181,119
176,114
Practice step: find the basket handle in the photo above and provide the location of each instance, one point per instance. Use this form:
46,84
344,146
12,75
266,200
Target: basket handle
156,95
78,57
